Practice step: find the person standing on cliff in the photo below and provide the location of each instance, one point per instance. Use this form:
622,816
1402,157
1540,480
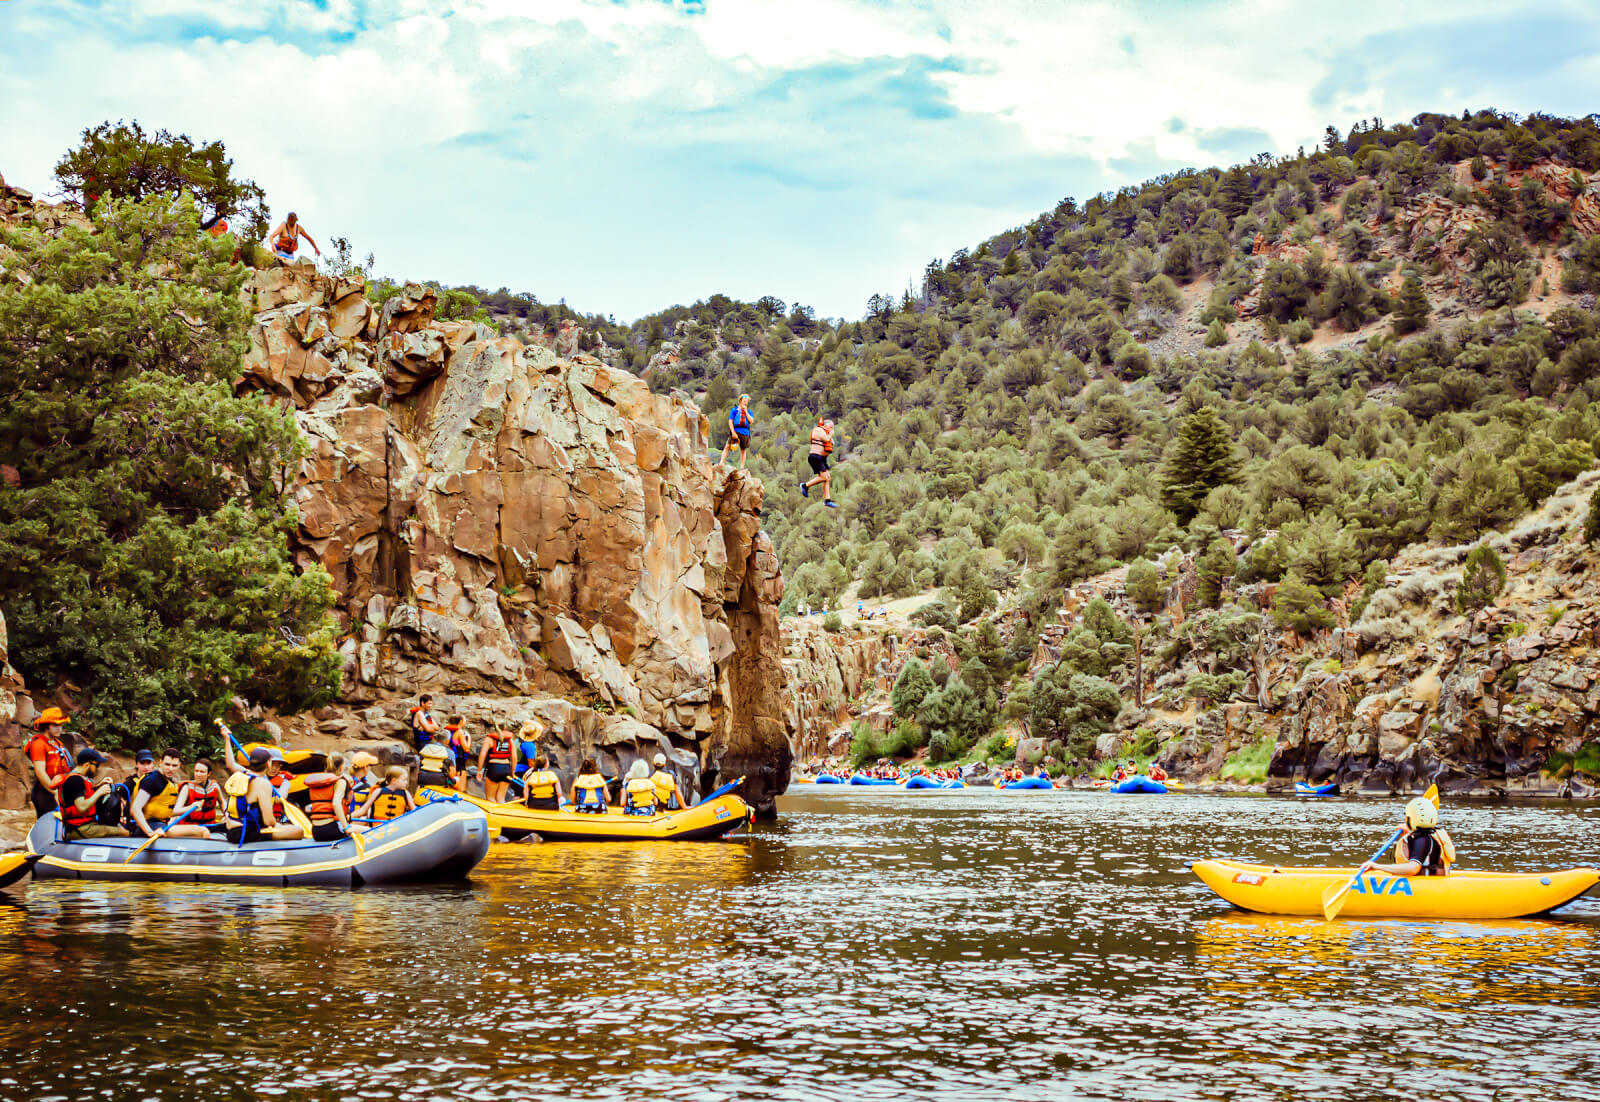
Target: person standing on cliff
821,448
739,425
286,236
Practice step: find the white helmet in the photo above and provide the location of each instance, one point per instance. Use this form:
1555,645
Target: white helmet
1421,814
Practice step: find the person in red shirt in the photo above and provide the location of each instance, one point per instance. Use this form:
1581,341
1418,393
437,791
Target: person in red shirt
50,760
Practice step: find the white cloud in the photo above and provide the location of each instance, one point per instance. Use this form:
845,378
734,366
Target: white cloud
629,155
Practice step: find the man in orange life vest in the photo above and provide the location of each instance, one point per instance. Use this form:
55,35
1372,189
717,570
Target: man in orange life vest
821,448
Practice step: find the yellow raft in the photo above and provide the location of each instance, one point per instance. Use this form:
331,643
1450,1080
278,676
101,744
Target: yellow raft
1274,889
712,819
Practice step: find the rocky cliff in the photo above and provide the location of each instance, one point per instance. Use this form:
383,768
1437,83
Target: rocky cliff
522,533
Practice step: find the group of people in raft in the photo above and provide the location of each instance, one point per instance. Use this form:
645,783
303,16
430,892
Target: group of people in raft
446,753
160,797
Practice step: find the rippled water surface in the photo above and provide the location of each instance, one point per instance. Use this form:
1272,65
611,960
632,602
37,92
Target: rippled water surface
868,945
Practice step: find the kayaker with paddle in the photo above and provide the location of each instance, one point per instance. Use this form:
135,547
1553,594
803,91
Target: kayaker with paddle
155,802
251,814
1424,848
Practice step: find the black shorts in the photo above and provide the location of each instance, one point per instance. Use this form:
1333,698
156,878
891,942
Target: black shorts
819,463
252,834
744,440
498,771
542,803
44,800
327,832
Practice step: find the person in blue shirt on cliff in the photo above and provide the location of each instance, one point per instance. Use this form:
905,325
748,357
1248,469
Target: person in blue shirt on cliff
739,424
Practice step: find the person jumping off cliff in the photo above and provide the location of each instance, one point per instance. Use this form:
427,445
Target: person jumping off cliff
286,236
821,448
739,424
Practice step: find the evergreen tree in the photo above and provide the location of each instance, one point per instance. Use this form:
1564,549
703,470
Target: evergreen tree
1483,576
144,542
1411,312
1235,193
122,161
1201,459
910,689
1216,334
1143,586
1298,606
1212,571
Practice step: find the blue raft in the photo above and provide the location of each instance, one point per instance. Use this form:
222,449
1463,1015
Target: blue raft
829,778
924,782
1139,784
1301,788
879,782
1029,783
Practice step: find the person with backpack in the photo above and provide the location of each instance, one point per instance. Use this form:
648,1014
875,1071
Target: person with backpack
821,448
739,425
285,238
82,794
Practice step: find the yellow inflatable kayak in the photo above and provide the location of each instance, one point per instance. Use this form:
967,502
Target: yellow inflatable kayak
1274,889
14,866
711,819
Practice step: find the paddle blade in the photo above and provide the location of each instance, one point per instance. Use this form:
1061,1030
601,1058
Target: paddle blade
361,843
1432,794
1333,898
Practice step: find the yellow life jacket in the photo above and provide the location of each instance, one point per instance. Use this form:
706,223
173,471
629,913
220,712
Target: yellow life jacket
389,804
666,787
540,784
589,790
159,808
640,795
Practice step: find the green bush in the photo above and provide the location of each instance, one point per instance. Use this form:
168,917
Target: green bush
1248,764
831,622
1483,576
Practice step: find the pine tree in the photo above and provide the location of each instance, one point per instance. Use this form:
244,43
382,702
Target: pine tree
1411,312
1212,572
1298,606
1143,586
1216,334
910,689
1235,193
1483,576
144,538
1201,459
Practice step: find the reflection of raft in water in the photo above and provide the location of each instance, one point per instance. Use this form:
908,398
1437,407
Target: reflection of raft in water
713,817
1469,895
442,841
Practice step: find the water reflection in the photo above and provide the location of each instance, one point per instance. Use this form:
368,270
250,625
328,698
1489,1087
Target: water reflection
867,945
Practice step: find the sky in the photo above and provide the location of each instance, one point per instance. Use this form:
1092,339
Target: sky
627,155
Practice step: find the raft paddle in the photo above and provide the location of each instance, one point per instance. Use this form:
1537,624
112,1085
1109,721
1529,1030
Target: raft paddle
170,823
724,790
1333,898
290,811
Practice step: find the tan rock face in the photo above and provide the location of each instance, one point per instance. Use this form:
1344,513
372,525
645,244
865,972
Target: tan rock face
500,520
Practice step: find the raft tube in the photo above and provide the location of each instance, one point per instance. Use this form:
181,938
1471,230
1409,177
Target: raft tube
1274,889
14,866
1301,788
954,783
829,778
875,781
920,781
710,819
1030,783
442,841
1139,784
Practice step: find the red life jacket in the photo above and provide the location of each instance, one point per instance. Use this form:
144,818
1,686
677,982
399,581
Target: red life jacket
70,815
208,798
321,787
500,744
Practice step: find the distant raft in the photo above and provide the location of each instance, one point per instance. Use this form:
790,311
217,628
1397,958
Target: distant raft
442,841
829,778
876,782
1280,890
1028,784
1301,788
1139,784
719,814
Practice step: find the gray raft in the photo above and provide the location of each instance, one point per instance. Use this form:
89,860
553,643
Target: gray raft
442,840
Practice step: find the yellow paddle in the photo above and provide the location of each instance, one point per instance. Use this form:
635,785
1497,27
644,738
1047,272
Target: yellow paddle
1333,898
146,844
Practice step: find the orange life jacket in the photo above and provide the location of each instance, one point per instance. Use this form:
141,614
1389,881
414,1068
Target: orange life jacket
321,787
821,441
57,762
500,743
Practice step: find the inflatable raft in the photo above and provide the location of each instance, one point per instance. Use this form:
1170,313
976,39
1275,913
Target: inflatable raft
14,866
1139,784
1301,788
1278,890
920,781
1028,784
442,841
713,817
876,782
829,778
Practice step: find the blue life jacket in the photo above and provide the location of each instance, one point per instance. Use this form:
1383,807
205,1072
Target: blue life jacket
739,419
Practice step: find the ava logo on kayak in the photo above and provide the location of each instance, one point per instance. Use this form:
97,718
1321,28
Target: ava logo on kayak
1382,885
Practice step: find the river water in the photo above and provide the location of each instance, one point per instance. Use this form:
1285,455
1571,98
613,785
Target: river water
867,945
